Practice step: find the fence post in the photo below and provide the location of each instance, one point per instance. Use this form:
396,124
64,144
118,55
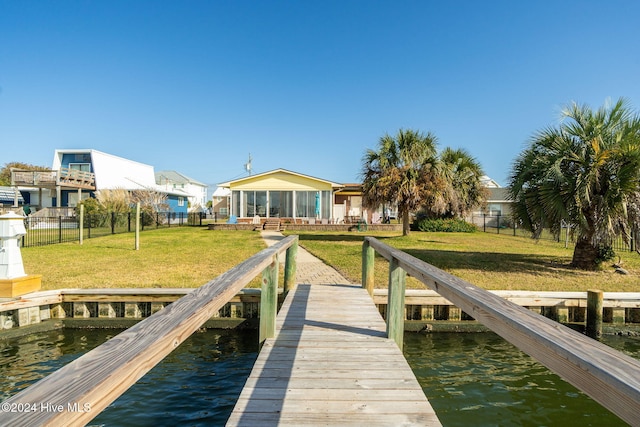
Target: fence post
368,260
60,229
595,298
80,239
498,226
113,223
484,222
395,302
137,226
269,301
290,268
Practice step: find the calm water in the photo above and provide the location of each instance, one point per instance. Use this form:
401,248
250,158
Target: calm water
480,379
471,379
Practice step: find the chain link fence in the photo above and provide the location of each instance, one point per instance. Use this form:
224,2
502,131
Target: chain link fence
504,224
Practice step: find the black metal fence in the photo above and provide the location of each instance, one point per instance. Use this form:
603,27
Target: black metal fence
504,224
51,230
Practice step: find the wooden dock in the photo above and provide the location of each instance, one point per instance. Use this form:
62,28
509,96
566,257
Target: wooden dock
331,363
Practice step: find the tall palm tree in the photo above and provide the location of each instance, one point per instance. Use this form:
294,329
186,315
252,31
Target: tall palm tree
586,171
461,173
402,172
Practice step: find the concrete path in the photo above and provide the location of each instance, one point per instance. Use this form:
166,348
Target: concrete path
309,269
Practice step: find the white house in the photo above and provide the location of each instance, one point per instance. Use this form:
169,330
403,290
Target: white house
171,180
77,173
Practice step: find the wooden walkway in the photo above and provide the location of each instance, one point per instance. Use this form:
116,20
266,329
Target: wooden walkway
330,362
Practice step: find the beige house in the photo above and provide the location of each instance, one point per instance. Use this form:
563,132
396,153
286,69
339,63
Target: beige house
281,193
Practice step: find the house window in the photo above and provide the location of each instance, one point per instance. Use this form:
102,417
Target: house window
255,203
85,167
280,203
235,202
180,201
494,209
306,204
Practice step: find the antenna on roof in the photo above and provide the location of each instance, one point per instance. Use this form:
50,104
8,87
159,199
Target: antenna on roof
247,166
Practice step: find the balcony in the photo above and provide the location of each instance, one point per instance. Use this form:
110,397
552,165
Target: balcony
65,177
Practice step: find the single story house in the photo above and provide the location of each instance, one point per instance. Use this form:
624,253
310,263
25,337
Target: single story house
281,193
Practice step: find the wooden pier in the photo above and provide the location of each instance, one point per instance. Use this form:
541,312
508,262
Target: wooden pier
326,359
330,362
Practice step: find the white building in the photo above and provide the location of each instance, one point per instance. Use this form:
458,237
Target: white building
197,191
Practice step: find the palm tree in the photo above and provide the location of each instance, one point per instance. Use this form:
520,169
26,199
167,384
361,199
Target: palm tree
586,171
461,173
402,172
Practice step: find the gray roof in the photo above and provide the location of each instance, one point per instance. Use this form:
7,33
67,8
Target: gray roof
175,177
498,195
7,195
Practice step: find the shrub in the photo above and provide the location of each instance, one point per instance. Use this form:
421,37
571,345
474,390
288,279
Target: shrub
448,225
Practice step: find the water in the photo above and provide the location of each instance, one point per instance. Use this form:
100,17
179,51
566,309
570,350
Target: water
470,379
482,380
196,385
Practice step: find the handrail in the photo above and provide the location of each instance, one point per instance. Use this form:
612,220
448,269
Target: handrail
608,376
79,391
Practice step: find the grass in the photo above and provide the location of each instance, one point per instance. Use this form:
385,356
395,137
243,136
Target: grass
191,256
181,257
491,261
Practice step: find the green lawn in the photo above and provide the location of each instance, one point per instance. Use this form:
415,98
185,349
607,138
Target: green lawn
170,257
490,261
191,256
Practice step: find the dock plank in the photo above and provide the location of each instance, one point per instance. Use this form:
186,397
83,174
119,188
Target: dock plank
331,363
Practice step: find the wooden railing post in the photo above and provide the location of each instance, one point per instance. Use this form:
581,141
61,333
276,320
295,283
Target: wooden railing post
594,313
395,302
368,257
269,300
290,268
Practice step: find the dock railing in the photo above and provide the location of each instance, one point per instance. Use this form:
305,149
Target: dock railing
79,391
606,375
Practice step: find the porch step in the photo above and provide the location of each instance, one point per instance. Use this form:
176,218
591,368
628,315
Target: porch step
272,224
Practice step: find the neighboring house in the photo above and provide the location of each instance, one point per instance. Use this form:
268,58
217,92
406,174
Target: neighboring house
172,180
78,173
221,201
497,204
10,199
284,194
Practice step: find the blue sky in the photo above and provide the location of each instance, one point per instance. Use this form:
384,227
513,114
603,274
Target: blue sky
195,86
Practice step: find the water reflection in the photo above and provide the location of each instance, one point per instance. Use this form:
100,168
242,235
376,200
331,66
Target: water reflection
470,379
480,379
196,385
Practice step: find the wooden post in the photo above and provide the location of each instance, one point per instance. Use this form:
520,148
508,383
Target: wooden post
138,226
81,222
290,268
368,257
594,313
395,302
269,301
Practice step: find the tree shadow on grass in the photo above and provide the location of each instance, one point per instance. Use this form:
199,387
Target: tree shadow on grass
336,237
492,261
